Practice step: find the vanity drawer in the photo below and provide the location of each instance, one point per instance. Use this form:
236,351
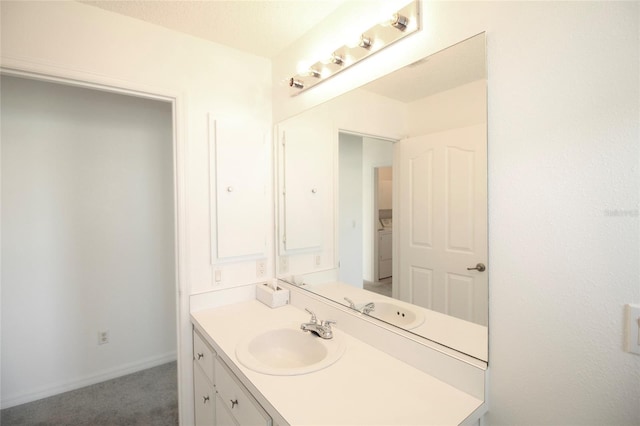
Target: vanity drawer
223,416
204,398
237,399
203,355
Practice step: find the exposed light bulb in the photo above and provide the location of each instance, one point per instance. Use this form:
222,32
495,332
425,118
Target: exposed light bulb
297,84
336,59
399,21
303,67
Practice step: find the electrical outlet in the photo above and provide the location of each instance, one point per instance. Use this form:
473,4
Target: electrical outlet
103,337
284,264
632,328
218,276
318,260
261,269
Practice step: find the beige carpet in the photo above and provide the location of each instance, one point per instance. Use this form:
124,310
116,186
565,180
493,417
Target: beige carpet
145,398
381,287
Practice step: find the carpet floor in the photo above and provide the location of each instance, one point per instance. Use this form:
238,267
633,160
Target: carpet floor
145,398
382,287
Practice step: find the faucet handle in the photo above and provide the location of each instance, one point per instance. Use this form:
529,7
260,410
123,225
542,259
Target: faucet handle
351,304
368,308
314,319
327,323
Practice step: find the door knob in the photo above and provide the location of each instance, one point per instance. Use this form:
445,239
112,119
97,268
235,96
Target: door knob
479,267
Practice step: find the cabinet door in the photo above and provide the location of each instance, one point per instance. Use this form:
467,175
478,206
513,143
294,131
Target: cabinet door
305,173
239,174
203,355
204,398
237,399
223,416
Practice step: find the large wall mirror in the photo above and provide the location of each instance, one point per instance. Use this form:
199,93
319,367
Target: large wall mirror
382,198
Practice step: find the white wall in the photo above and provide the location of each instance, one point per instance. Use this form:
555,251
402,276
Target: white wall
87,241
563,158
73,40
350,228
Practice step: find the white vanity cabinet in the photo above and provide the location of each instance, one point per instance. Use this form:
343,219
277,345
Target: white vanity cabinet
219,397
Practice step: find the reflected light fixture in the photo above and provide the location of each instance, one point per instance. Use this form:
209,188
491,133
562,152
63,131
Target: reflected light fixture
336,59
365,42
399,21
402,23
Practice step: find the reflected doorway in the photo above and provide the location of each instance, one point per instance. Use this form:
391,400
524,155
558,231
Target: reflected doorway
365,211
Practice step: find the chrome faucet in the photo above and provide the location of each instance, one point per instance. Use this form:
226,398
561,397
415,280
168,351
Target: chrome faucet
322,329
368,308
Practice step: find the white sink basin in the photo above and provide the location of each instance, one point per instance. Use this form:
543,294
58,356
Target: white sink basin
288,351
397,314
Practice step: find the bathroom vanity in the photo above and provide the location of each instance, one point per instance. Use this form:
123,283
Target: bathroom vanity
365,385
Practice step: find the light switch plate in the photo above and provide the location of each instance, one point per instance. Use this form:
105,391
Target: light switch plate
284,265
632,326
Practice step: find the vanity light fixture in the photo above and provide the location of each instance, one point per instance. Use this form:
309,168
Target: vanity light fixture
402,23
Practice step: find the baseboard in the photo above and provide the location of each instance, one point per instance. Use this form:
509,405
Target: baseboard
92,379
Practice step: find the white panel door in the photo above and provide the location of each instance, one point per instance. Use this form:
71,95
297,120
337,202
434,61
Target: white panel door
240,189
443,222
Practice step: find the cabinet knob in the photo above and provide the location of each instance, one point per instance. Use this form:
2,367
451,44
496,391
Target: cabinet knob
234,403
200,355
205,399
229,188
314,190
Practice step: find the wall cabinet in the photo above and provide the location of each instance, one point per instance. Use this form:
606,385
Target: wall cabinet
219,397
239,179
305,181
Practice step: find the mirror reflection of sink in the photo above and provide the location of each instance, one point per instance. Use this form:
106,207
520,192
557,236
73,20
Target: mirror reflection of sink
288,351
399,315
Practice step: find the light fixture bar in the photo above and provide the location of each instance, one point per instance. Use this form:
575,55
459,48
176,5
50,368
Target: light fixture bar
399,25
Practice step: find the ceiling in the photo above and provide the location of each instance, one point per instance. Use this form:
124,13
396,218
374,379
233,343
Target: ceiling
454,66
260,27
266,27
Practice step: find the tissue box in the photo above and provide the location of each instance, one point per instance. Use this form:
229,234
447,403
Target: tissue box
270,297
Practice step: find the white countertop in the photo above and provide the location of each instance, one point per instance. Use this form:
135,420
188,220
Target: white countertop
364,387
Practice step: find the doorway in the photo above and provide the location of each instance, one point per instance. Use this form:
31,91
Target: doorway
360,160
88,241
